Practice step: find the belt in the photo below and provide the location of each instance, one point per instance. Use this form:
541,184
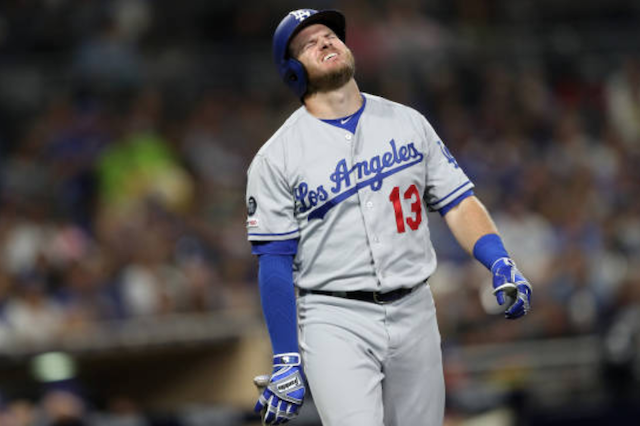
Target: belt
366,296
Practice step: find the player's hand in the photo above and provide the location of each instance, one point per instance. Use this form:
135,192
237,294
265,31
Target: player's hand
510,288
284,394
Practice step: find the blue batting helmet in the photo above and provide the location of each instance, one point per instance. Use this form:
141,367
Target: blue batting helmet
291,70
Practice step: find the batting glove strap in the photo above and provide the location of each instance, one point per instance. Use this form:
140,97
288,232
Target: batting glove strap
291,358
501,263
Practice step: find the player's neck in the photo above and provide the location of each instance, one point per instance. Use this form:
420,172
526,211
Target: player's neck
336,103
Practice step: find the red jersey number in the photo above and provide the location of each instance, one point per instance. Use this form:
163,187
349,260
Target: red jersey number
416,208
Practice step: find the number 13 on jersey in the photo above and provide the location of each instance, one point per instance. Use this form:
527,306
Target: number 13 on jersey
415,218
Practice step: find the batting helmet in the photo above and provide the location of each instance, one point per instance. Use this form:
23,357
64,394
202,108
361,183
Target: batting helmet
291,70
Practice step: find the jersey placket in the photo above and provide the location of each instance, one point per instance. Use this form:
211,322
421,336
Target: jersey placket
367,205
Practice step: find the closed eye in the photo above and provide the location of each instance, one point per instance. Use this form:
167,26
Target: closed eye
309,44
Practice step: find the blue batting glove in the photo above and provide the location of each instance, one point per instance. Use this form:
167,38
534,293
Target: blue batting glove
511,287
284,394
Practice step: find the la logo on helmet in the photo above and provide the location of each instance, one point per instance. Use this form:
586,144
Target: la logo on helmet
300,14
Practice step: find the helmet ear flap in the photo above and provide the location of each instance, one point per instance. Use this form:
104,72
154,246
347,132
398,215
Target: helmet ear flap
290,76
296,77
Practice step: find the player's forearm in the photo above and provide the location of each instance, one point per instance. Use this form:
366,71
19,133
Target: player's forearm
469,221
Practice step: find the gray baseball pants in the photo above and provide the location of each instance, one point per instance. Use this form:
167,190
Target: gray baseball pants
373,365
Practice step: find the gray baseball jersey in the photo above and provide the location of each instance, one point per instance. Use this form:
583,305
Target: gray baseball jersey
355,201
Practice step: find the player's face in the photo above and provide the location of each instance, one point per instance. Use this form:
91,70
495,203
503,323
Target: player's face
328,61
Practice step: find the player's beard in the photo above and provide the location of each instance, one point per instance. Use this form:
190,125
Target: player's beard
331,80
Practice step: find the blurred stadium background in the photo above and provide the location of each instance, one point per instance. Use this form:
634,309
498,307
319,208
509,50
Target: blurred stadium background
127,289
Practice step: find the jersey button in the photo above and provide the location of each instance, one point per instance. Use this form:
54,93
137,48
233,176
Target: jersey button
348,136
376,239
369,204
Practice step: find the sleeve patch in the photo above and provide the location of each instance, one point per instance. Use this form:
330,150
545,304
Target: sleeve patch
252,206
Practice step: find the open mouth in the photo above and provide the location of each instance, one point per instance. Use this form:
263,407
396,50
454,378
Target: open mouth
329,56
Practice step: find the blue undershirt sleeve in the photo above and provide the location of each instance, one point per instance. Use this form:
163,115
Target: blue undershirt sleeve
275,247
275,279
445,209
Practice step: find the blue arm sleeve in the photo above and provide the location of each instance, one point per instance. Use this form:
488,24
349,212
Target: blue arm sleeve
275,278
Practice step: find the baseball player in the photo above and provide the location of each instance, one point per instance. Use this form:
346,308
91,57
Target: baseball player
337,202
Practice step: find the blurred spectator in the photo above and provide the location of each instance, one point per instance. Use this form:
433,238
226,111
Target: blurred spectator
73,137
18,413
31,315
61,407
529,236
623,101
141,165
108,61
205,150
121,411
